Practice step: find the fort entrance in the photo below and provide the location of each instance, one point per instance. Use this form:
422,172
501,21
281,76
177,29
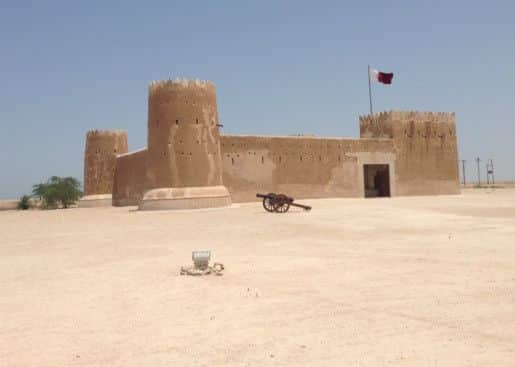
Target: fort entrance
377,180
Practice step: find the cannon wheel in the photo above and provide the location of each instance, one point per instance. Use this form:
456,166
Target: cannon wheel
282,204
268,202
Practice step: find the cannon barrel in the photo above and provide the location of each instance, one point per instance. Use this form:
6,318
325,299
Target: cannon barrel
264,196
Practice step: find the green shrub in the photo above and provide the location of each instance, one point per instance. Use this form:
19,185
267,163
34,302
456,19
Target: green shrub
58,192
24,202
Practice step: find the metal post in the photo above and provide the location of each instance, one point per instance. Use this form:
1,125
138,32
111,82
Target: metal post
370,91
490,171
492,168
478,172
463,172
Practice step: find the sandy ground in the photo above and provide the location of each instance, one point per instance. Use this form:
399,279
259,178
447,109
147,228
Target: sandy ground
423,281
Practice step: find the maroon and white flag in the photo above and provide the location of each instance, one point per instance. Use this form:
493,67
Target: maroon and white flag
379,76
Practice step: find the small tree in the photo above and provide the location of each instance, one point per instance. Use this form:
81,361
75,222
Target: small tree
24,202
58,191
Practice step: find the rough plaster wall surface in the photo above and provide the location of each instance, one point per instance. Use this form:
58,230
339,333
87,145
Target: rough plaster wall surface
183,135
101,150
302,167
425,145
129,178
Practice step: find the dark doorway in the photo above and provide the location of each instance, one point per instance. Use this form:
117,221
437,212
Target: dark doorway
377,180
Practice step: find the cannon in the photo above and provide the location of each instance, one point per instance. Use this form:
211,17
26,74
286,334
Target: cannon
279,203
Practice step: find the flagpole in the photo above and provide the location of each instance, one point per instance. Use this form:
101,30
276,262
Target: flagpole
369,90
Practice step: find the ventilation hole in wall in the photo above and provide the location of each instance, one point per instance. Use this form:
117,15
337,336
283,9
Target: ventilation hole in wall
191,153
301,158
280,159
237,155
262,160
176,122
182,153
114,150
232,161
198,141
180,141
320,158
196,121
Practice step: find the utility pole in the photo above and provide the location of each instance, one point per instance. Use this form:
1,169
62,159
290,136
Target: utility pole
463,172
478,172
370,91
490,171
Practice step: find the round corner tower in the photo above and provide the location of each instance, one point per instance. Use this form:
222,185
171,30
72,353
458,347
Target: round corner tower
102,147
184,165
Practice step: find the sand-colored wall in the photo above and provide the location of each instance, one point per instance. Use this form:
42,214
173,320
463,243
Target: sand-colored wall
129,178
302,167
183,135
101,150
9,204
425,147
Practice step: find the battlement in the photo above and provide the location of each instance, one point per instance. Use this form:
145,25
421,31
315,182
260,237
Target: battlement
171,84
391,124
99,133
407,116
376,118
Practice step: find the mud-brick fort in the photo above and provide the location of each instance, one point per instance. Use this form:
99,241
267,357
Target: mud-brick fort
188,164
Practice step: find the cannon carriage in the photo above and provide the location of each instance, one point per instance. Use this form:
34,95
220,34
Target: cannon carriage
279,203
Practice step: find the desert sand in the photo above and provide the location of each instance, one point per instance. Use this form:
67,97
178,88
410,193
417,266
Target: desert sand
408,281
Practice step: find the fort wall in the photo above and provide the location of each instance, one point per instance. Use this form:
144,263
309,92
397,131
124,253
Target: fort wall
189,165
129,178
303,167
425,146
102,147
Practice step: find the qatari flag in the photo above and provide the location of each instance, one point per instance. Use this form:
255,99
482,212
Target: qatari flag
379,76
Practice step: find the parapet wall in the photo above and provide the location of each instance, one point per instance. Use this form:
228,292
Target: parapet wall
302,167
425,146
101,150
129,178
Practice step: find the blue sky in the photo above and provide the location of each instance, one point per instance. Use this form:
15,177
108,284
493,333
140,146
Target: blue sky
281,67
